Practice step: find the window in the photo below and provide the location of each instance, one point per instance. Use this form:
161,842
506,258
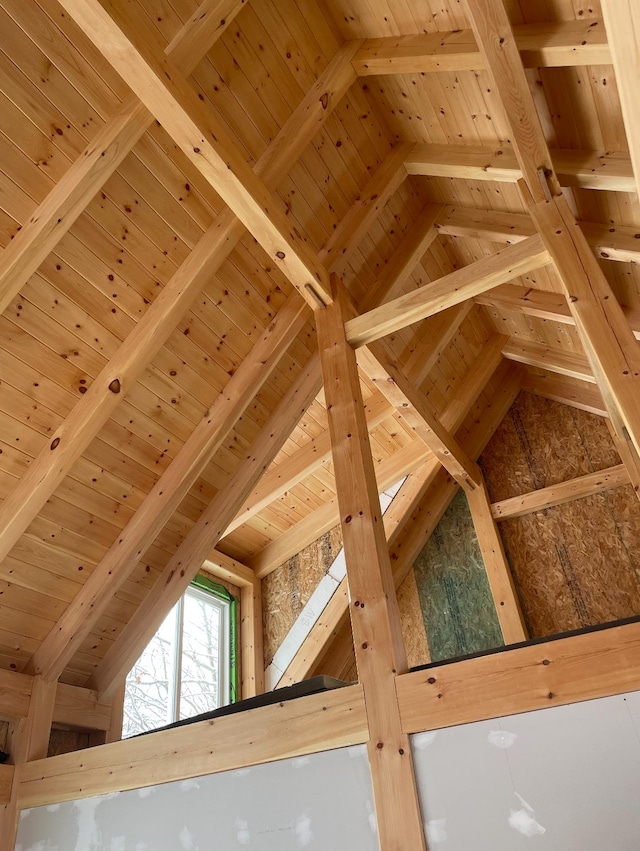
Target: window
188,666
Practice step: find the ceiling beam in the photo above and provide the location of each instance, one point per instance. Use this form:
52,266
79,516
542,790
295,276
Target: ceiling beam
380,366
193,551
605,170
168,96
166,495
622,20
605,333
556,44
375,617
567,391
54,216
617,243
560,361
452,289
330,620
107,390
578,488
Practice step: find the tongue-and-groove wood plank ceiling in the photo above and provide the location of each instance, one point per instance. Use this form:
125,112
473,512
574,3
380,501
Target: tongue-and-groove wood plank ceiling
100,211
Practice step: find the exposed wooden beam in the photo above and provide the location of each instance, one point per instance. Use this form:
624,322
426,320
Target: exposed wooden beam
164,498
576,394
15,693
578,488
168,96
623,31
580,667
544,45
329,623
405,258
379,364
301,464
298,727
430,347
616,243
54,216
27,740
497,568
6,783
543,305
561,361
190,555
95,407
607,338
452,289
375,617
604,170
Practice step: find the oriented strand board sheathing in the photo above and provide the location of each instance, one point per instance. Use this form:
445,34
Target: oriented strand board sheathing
413,630
575,564
457,607
287,589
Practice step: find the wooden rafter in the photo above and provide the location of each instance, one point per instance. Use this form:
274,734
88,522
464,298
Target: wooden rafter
579,169
69,197
108,389
168,96
566,43
450,290
606,336
375,617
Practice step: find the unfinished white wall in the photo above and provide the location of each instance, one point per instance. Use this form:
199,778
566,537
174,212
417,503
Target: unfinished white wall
562,779
323,801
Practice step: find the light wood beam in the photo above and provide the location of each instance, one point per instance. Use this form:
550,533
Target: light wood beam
301,464
557,44
328,625
251,650
297,727
168,96
450,290
606,336
567,391
442,331
6,783
622,21
95,407
617,243
387,178
190,555
602,170
497,568
375,618
578,488
555,673
54,216
164,498
560,361
405,258
378,363
27,740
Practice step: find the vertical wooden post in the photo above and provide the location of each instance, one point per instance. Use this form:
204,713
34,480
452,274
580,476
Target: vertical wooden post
114,733
379,647
252,656
498,573
28,739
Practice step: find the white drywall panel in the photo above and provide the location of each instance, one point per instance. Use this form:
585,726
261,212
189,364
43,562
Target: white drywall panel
561,779
322,801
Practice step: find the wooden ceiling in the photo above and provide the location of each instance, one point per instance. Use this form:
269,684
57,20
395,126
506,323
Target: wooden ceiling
164,250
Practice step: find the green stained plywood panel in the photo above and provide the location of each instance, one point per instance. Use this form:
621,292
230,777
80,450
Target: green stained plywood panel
457,607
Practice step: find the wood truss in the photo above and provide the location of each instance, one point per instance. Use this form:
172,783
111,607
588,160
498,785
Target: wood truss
252,277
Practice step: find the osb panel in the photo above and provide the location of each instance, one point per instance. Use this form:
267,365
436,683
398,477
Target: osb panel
541,443
576,564
287,589
413,631
457,608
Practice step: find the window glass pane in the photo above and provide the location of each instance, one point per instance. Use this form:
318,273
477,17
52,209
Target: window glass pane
149,692
202,640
